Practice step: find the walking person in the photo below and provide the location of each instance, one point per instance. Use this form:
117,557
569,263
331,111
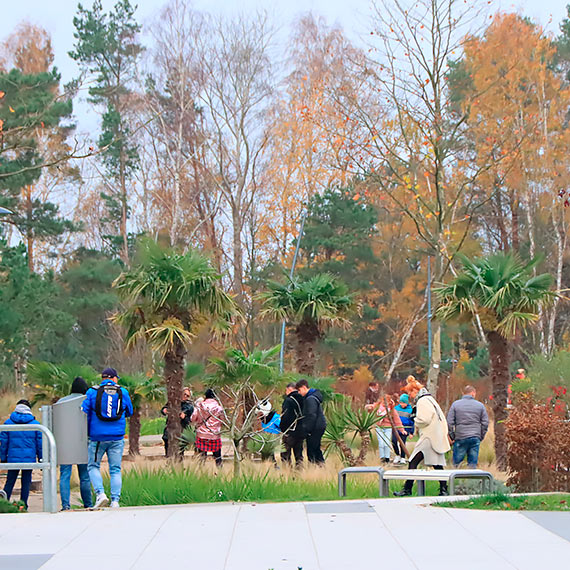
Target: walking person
79,388
107,407
207,415
433,442
468,423
20,447
292,426
186,411
386,418
314,422
404,411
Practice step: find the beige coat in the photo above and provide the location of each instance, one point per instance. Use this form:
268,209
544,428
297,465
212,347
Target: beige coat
432,425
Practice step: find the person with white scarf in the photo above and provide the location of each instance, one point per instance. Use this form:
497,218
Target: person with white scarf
433,442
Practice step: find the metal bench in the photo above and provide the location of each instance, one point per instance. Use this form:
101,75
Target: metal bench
344,472
423,475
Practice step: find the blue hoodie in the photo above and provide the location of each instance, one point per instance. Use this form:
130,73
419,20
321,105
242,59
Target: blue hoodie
99,430
21,446
270,424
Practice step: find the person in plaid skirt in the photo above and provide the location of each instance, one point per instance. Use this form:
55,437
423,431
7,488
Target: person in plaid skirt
207,416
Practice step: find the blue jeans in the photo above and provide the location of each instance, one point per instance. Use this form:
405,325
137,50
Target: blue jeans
468,446
384,435
114,451
84,485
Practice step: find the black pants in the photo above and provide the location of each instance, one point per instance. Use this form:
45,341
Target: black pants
11,477
295,444
314,453
217,456
414,465
398,449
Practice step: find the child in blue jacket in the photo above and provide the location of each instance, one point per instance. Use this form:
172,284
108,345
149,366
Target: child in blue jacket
404,410
20,447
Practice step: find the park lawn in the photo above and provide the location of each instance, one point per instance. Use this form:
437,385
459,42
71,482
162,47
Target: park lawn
501,502
167,485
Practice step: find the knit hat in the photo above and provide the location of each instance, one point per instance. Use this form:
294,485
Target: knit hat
405,399
79,386
264,407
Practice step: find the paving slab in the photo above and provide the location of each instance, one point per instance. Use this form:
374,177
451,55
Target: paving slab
408,534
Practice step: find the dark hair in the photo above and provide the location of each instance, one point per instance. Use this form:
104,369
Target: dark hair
210,394
373,383
79,386
468,389
302,382
25,402
291,385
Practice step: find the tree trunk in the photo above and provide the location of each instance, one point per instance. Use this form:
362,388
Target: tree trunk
237,254
435,360
364,445
174,381
135,431
307,335
347,453
499,355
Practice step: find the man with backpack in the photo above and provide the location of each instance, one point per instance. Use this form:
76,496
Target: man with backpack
107,406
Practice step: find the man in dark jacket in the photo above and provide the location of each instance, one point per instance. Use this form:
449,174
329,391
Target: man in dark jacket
186,411
291,426
20,447
467,422
314,422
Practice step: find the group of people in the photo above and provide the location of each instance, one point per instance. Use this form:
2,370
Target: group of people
464,427
301,423
106,407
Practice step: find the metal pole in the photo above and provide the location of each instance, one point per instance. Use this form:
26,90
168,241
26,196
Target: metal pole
429,306
282,351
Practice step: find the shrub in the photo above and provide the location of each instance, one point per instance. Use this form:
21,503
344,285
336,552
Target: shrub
8,507
538,453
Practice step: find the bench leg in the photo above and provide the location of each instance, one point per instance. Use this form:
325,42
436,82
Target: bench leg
384,486
380,485
452,485
421,488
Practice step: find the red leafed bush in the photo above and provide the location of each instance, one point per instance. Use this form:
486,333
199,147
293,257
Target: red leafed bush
538,453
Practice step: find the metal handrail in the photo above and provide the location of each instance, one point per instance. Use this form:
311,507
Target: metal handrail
48,465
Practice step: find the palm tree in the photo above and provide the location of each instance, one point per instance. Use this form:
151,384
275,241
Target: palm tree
237,375
140,388
166,295
311,305
53,381
506,295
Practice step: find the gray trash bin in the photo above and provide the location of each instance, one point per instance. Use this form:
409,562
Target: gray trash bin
70,430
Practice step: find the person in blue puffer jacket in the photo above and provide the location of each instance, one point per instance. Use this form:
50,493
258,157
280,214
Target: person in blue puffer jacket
107,407
20,447
404,410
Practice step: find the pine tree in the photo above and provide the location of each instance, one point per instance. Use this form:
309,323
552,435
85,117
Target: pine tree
107,48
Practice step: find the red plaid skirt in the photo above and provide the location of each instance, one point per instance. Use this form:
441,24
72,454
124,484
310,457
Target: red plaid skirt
208,444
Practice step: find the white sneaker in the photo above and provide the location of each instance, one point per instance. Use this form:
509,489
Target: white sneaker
114,504
403,460
396,460
101,501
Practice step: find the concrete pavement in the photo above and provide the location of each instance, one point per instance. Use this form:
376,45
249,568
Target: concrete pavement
406,534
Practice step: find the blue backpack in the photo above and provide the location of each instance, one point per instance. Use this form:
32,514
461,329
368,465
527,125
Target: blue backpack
109,403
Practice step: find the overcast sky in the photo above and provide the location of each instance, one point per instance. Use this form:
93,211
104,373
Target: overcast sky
56,16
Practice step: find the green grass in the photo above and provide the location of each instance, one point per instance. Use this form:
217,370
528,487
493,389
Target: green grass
502,502
8,507
151,426
179,485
